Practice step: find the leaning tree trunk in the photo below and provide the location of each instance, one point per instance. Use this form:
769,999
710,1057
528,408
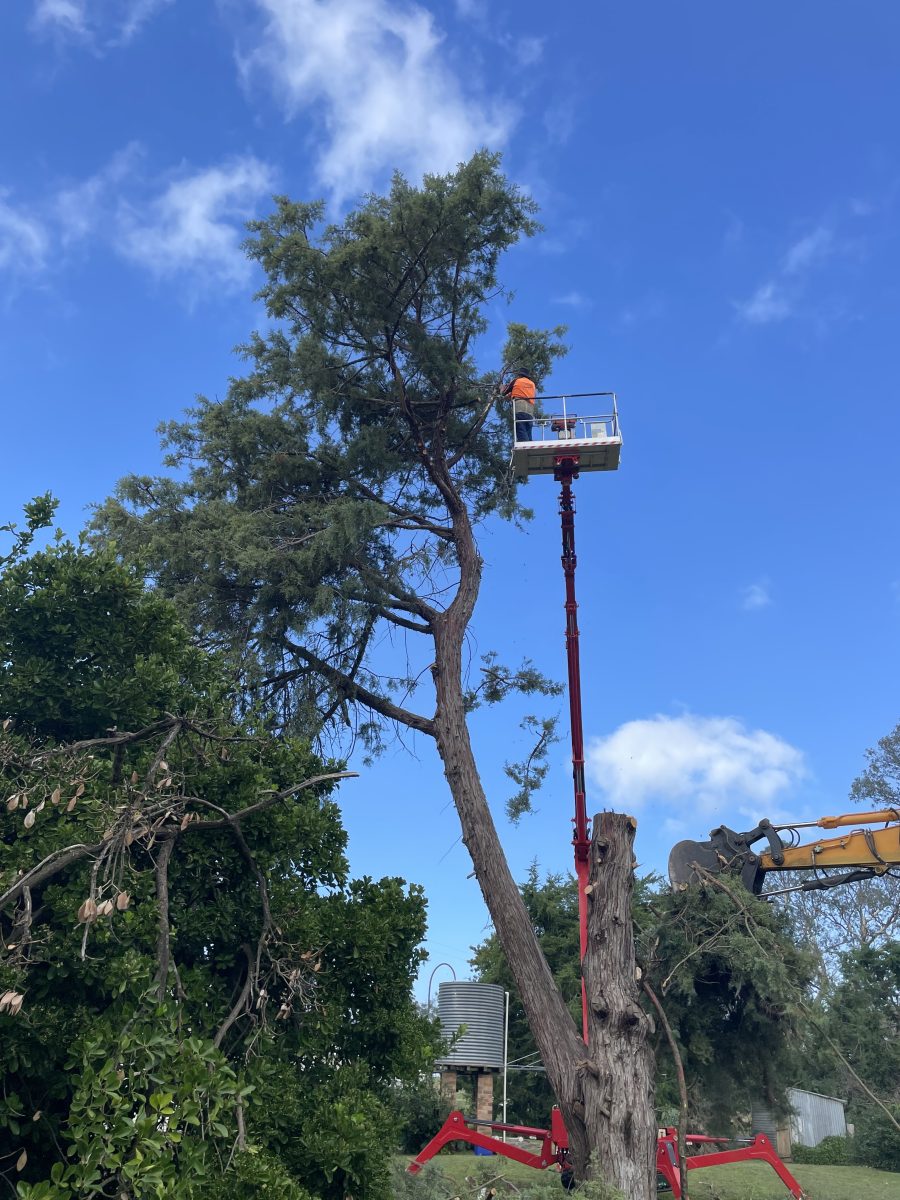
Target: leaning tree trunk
605,1091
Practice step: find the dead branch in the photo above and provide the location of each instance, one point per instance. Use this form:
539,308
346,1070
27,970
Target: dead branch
682,1088
239,1005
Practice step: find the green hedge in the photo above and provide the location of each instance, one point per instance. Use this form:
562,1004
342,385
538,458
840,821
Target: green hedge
830,1152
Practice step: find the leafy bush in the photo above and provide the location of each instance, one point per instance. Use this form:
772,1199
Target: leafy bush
876,1143
254,1176
830,1152
419,1110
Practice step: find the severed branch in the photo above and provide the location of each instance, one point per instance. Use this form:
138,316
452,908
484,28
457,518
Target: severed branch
749,921
56,862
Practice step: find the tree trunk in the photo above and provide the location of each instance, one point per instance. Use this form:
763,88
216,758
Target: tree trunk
605,1096
619,1082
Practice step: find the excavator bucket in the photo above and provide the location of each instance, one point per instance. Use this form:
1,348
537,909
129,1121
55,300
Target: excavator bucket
714,857
685,857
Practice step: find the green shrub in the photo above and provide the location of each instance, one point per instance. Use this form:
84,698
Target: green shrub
876,1143
419,1111
254,1176
830,1152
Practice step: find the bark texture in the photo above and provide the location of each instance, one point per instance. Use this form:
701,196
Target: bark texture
619,1076
605,1092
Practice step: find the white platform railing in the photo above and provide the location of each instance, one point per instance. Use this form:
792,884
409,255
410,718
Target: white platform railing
566,425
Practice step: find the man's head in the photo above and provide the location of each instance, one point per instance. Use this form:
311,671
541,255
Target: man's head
523,373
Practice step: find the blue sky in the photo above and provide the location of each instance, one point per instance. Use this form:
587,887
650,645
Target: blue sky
720,187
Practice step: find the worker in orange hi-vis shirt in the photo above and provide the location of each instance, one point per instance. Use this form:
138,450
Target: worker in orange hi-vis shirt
522,392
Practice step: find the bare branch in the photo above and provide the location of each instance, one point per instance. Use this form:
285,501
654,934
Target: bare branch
239,1005
163,945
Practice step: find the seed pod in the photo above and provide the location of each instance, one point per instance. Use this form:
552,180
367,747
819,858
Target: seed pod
71,804
56,796
122,901
12,803
87,912
29,819
105,908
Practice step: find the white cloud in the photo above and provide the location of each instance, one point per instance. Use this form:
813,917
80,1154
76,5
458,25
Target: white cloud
780,296
101,24
573,299
24,240
378,73
770,302
808,250
755,596
61,16
703,763
196,225
86,207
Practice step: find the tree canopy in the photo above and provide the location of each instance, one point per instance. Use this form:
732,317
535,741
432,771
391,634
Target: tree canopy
188,971
314,509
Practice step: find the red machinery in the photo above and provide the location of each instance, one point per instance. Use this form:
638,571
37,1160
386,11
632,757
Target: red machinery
554,1148
592,443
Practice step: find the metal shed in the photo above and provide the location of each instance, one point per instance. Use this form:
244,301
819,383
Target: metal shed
813,1118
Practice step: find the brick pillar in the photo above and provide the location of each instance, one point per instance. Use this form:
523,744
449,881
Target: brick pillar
484,1096
448,1086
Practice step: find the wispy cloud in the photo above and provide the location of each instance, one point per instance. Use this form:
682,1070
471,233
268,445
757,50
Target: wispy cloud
189,227
778,297
196,225
90,205
24,240
808,250
375,75
700,762
755,596
573,299
100,24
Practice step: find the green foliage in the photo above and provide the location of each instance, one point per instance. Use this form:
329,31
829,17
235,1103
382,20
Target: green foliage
875,1142
39,515
320,504
729,986
533,350
418,1110
861,1018
552,905
283,976
530,774
254,1175
830,1152
731,981
84,648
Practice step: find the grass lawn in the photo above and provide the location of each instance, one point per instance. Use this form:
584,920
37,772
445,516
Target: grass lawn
741,1181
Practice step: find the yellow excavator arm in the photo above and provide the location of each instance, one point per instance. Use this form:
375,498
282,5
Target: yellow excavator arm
870,851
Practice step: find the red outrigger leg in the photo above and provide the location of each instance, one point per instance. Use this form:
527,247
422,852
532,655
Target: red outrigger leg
555,1145
759,1150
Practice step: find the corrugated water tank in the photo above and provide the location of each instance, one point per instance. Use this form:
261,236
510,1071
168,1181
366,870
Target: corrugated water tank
478,1007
